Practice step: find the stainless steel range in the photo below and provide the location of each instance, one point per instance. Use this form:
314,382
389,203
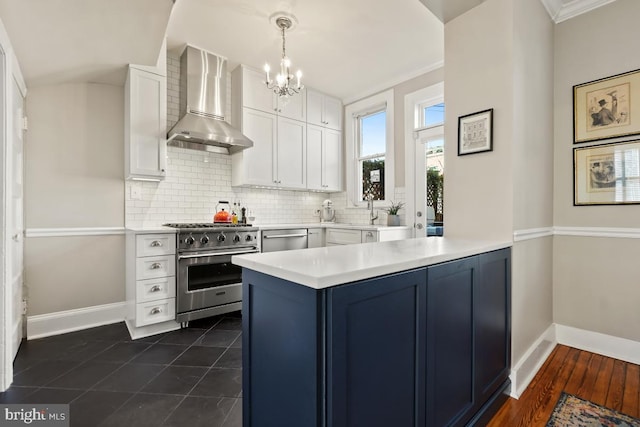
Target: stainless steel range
207,282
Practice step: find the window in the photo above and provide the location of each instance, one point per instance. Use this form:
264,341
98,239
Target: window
430,115
369,138
371,155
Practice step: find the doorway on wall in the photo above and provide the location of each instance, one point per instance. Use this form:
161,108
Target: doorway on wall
12,124
424,160
429,180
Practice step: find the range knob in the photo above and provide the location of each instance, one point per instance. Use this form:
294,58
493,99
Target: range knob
190,240
221,237
236,238
204,239
248,238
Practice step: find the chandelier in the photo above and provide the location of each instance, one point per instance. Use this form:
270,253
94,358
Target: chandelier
283,85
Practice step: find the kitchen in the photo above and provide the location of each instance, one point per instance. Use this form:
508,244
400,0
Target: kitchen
74,183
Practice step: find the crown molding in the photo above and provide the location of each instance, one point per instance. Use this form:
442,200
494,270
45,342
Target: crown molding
561,12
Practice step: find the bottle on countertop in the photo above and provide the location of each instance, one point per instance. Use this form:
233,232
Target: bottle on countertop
234,216
243,215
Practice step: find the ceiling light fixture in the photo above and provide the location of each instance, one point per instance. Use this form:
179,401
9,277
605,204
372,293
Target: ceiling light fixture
283,86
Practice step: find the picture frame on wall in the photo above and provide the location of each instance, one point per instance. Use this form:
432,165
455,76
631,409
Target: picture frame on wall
475,132
607,108
607,174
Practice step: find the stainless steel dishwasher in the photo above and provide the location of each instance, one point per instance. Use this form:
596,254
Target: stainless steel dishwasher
284,239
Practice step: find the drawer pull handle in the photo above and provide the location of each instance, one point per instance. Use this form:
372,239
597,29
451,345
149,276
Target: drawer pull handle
155,288
156,265
156,243
156,310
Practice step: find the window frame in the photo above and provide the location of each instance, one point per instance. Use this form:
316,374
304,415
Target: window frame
353,112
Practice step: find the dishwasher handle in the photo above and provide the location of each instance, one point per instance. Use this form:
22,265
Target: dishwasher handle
282,236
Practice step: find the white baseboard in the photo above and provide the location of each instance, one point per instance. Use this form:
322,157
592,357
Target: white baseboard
529,364
61,322
595,342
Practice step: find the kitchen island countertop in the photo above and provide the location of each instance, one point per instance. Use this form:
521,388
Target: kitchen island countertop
325,267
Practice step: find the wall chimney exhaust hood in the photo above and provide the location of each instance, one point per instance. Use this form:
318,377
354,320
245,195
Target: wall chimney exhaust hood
203,90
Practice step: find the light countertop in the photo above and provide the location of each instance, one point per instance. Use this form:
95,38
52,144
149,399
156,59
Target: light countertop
321,268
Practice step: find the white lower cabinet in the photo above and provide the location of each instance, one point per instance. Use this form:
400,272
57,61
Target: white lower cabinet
349,236
315,237
150,283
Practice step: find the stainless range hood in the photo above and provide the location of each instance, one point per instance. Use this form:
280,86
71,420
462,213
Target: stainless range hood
203,90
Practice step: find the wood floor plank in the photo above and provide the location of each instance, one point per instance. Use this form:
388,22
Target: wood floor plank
600,379
587,386
631,397
556,388
538,395
577,376
616,386
601,385
513,407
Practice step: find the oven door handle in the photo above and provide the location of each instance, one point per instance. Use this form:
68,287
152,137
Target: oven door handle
282,236
253,251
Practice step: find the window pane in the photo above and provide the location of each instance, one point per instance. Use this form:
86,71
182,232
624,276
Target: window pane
373,178
374,131
433,115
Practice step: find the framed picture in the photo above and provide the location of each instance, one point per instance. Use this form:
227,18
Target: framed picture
607,108
475,132
607,174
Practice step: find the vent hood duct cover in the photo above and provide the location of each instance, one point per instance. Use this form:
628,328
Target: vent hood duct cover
203,90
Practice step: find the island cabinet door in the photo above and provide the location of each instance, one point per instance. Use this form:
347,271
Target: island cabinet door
449,351
374,346
281,353
492,328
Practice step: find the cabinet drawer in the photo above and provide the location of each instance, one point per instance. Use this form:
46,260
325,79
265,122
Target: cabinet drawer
148,313
155,289
155,244
155,266
343,237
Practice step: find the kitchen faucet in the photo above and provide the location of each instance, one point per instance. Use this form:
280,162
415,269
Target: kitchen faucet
370,206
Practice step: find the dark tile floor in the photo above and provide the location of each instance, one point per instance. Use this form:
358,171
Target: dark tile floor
189,377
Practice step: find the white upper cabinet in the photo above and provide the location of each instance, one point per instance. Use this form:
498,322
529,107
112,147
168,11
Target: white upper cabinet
256,95
277,158
145,125
324,110
324,159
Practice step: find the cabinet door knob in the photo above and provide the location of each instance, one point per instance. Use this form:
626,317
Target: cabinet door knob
156,243
156,265
155,288
156,310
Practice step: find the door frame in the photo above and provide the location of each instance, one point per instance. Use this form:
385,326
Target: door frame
411,102
9,73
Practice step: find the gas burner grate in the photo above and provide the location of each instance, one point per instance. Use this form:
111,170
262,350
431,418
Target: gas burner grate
205,225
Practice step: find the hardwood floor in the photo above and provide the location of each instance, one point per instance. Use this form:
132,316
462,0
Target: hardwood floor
602,380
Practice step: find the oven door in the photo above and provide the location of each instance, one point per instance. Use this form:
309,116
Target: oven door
208,279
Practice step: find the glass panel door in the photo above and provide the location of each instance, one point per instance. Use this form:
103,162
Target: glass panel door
429,179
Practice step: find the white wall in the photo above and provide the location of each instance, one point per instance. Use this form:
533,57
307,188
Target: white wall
595,279
73,178
479,75
500,55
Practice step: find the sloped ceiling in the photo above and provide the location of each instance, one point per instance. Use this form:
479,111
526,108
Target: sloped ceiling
61,41
346,48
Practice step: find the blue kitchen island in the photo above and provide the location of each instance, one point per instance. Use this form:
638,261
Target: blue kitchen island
404,333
